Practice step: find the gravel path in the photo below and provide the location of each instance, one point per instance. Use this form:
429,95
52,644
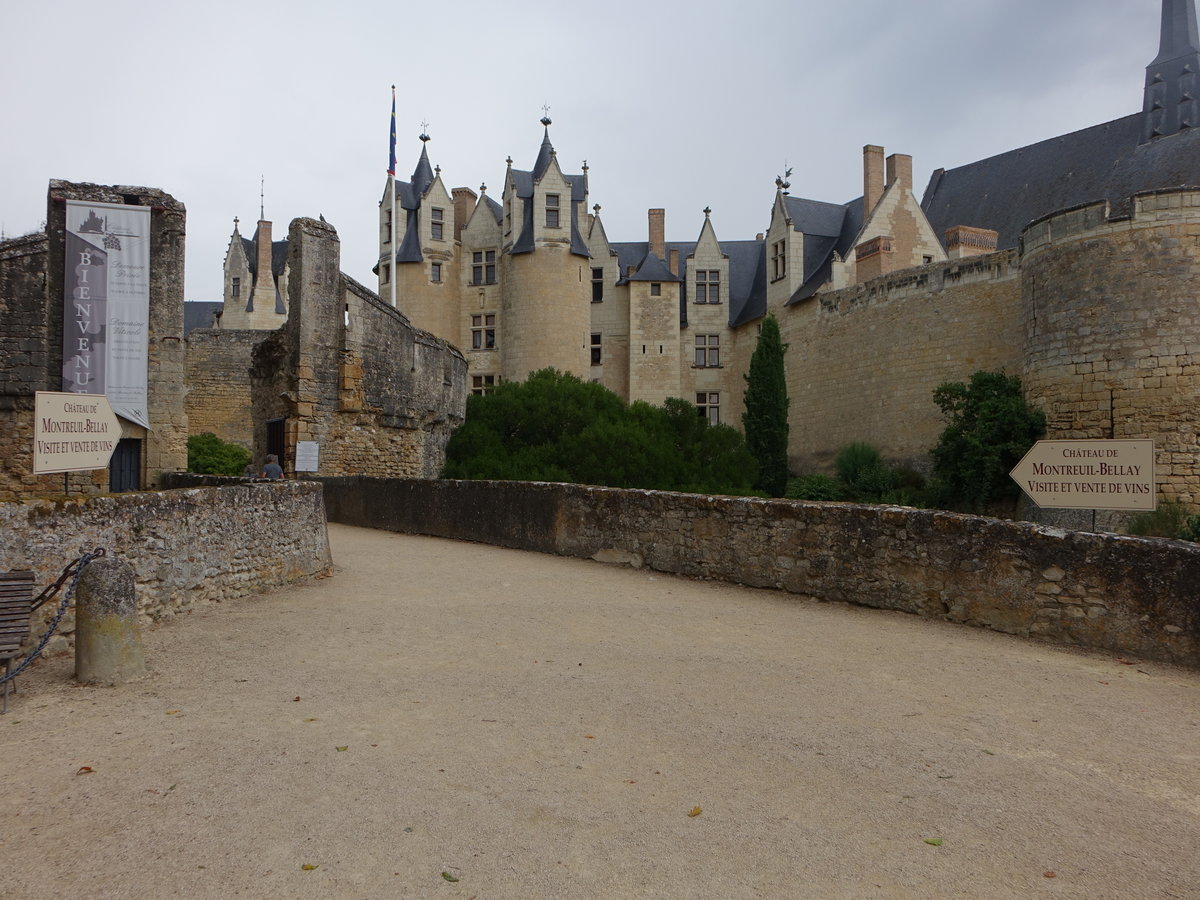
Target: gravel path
542,727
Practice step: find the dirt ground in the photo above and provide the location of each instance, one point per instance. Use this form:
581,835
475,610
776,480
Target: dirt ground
453,720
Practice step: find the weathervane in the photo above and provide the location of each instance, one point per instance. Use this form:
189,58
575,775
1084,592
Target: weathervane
782,183
424,131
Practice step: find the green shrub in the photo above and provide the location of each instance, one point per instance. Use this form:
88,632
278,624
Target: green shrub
557,427
1170,520
209,455
989,427
814,487
1191,529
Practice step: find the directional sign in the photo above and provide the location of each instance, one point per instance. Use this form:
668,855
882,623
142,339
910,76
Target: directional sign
1089,475
72,432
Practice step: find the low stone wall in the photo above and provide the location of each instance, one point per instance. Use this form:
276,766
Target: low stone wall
188,547
1101,591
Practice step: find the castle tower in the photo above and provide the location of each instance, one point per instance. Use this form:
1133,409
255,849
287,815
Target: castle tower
419,249
654,354
1171,79
255,293
546,269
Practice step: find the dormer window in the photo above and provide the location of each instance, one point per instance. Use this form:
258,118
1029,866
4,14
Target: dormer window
552,210
778,260
437,222
708,286
237,287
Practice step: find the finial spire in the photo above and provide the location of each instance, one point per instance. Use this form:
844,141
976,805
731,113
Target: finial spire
1170,104
546,120
262,197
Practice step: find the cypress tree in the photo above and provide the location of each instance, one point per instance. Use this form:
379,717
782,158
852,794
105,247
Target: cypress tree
765,420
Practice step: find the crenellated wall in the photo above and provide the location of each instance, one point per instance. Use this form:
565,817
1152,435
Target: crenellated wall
863,362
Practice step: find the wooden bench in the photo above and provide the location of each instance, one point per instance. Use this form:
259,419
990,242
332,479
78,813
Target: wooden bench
16,606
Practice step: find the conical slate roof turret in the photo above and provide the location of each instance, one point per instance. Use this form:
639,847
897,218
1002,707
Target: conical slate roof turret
545,154
422,176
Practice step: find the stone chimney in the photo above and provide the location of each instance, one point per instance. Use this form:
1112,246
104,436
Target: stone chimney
464,204
899,168
673,265
872,177
263,239
658,233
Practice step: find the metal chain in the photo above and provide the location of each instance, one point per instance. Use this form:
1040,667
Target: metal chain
79,565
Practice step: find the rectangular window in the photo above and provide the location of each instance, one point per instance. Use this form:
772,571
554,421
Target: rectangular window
708,350
237,287
385,273
483,331
552,210
655,289
437,221
483,384
597,285
595,349
778,260
386,236
709,405
435,273
708,286
483,268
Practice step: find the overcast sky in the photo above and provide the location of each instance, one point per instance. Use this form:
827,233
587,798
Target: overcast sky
673,104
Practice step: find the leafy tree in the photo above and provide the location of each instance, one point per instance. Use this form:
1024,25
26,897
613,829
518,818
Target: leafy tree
556,427
209,455
990,426
765,420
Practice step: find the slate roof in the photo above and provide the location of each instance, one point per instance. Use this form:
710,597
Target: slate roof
746,292
1104,162
199,314
828,228
408,198
523,184
279,251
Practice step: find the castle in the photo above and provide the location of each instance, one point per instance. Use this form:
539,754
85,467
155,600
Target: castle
1069,262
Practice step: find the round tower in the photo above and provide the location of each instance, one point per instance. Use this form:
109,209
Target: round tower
1112,329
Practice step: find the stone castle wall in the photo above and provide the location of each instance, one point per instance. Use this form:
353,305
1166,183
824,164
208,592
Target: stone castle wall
32,270
1119,594
218,379
188,547
351,373
863,362
1112,329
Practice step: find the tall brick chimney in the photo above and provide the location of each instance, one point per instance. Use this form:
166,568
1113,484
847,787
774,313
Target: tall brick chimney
899,168
658,233
872,177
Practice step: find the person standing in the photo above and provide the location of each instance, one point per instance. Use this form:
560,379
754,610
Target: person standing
272,469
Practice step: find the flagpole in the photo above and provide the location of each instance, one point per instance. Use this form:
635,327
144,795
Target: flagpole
392,273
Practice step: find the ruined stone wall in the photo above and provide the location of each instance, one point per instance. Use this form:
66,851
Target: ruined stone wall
1112,329
351,373
31,290
188,547
218,380
1119,594
863,362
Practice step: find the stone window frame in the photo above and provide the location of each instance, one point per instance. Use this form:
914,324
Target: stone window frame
385,273
386,229
437,223
778,260
708,351
483,267
484,384
483,331
597,347
597,285
655,289
435,272
708,403
708,286
552,210
236,287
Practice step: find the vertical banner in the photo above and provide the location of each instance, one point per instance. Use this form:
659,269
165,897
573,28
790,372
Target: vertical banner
106,305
